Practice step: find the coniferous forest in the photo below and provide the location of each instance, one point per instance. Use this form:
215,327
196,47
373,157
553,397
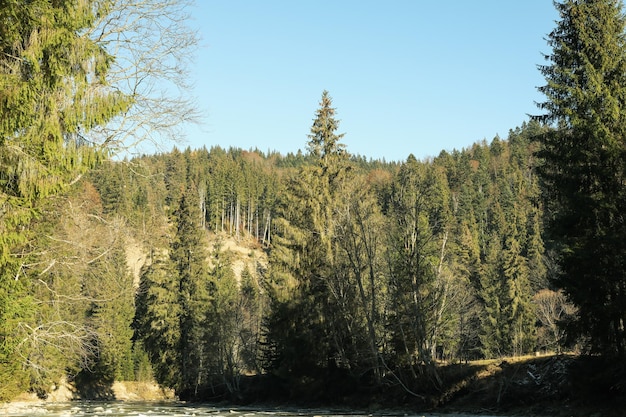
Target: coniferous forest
321,271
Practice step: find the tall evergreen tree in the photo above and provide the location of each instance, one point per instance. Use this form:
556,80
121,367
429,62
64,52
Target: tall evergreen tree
304,255
223,323
324,142
111,314
188,256
157,318
53,83
494,328
516,303
584,164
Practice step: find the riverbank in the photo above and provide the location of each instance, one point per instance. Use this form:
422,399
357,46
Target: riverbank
555,386
118,391
125,391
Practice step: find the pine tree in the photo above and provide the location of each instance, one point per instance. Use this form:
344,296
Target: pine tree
305,255
54,90
516,303
188,256
111,315
584,164
157,318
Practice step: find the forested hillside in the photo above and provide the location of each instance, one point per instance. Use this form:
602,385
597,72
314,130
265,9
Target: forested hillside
374,270
323,271
371,269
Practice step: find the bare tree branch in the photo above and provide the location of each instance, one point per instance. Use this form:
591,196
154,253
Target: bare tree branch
152,45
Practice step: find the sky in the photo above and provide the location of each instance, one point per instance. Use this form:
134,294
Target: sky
406,76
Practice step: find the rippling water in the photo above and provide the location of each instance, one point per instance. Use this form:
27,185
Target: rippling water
170,409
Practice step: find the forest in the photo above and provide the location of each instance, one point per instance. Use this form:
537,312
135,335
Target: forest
203,269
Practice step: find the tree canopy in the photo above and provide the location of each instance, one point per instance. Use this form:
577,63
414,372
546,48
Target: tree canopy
65,107
584,164
321,270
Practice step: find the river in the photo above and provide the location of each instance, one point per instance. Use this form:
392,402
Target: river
175,409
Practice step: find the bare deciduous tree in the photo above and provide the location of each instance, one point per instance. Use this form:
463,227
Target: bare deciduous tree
552,307
152,46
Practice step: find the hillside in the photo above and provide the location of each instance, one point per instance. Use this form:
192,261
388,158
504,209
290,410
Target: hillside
332,272
241,263
244,253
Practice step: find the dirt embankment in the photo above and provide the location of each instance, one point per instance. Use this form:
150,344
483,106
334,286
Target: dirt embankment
560,385
119,390
141,391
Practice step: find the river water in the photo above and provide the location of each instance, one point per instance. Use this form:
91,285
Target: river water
175,409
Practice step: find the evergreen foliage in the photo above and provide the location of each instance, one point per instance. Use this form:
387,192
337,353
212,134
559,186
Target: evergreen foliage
62,111
375,271
53,83
304,259
584,164
188,256
157,319
362,271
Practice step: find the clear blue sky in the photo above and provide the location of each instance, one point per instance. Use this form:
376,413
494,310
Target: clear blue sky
411,76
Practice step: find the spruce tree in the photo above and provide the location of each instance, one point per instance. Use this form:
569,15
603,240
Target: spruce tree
584,164
324,143
304,255
157,318
516,303
53,83
188,256
223,321
111,314
494,327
